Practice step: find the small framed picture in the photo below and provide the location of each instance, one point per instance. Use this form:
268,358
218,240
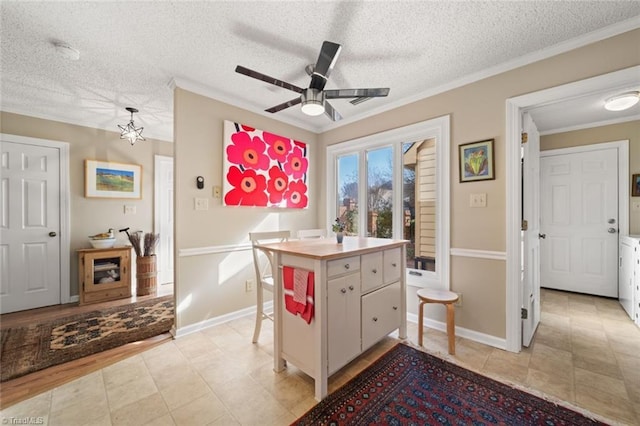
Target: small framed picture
104,179
476,161
635,185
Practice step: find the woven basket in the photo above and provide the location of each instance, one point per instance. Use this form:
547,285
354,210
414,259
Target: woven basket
146,275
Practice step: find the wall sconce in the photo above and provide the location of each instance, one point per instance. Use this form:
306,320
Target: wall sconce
129,131
622,101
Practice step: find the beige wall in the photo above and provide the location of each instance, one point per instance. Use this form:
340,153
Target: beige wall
614,132
478,112
211,285
92,215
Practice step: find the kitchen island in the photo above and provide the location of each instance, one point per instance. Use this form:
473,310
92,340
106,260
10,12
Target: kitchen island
359,298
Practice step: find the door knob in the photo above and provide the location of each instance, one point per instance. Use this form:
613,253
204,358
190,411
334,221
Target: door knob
52,234
542,236
612,230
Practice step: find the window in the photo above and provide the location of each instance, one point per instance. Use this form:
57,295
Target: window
347,190
401,177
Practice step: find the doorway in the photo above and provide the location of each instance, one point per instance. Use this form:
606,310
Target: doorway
163,216
34,207
514,108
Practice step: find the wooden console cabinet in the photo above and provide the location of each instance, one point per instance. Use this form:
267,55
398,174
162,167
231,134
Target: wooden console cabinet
105,274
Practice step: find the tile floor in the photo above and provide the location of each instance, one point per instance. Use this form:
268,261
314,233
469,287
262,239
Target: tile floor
586,351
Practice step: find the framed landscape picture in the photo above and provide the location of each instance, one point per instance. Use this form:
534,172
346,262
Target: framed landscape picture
104,179
476,161
635,185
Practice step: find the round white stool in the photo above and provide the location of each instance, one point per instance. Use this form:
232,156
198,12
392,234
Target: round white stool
447,298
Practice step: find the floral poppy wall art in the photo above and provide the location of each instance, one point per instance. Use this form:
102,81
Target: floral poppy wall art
263,169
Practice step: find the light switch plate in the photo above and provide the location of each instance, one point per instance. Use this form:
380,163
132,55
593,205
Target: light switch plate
478,200
635,206
201,204
217,192
129,209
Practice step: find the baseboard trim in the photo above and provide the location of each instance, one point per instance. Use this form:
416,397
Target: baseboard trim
199,251
476,336
211,322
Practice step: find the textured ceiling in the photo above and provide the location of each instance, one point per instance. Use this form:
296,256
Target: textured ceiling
131,51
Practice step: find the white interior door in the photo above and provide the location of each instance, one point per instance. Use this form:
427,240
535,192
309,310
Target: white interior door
579,208
164,217
530,236
30,227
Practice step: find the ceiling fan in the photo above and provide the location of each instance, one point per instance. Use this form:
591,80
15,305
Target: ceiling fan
314,99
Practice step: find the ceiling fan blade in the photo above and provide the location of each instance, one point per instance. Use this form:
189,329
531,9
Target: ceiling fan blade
326,60
331,112
258,75
284,105
356,93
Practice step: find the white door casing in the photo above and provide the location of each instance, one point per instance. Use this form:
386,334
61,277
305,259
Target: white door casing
530,236
34,224
163,216
579,215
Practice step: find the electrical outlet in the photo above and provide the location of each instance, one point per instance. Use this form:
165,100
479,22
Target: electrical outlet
458,304
248,286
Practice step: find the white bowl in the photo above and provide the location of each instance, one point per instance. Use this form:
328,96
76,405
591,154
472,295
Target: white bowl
102,242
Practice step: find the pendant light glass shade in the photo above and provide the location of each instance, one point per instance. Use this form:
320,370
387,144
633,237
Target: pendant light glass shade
130,131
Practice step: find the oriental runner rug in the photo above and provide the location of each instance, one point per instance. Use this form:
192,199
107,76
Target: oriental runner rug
40,345
409,387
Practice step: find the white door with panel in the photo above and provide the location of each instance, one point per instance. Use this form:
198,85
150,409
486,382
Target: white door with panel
579,215
530,235
30,227
163,212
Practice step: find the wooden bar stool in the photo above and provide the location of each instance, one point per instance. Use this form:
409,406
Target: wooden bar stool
447,298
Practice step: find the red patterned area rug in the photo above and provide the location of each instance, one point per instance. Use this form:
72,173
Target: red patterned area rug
41,345
410,387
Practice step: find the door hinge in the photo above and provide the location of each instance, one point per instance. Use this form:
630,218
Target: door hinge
525,225
524,137
524,314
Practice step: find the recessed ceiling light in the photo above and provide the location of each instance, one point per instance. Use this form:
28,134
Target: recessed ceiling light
622,101
66,51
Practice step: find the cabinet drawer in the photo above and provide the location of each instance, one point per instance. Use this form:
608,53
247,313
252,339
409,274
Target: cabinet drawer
371,271
391,264
380,314
343,266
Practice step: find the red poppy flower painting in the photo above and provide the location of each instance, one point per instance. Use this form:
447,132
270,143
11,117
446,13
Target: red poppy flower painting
248,188
247,151
296,195
264,169
279,147
276,185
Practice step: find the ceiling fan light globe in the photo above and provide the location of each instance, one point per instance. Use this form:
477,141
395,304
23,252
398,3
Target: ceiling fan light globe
622,101
312,108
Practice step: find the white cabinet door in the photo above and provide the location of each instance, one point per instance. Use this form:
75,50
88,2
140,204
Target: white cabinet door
391,265
371,271
343,322
380,314
626,274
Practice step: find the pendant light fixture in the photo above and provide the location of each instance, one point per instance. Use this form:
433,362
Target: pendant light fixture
130,132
